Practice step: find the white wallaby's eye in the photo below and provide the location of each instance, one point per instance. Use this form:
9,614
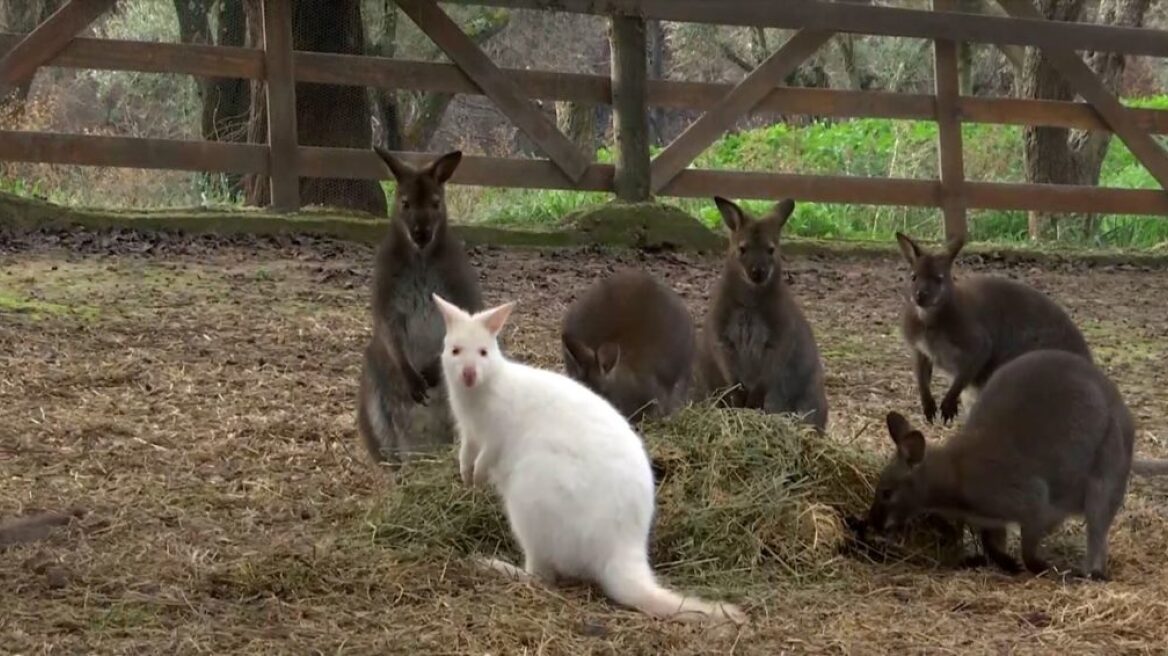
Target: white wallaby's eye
914,277
456,350
742,249
483,352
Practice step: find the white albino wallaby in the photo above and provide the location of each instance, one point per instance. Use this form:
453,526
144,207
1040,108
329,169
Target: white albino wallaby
574,477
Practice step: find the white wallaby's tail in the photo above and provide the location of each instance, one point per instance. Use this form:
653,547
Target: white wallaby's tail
1149,467
630,581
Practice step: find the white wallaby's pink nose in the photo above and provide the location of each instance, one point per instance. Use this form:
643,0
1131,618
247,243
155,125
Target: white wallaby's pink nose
469,376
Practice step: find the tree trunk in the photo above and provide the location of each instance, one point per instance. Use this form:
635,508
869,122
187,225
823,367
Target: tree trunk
658,47
430,109
847,47
225,101
1057,155
578,122
966,50
326,115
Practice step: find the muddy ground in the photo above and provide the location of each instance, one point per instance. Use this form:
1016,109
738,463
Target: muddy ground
196,397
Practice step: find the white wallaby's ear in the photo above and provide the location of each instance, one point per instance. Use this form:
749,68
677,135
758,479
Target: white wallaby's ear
451,313
496,317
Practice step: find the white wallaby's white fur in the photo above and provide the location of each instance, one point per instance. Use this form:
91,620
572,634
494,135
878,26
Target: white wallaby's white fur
574,477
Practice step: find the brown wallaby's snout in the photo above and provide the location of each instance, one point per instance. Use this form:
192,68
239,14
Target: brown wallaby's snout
754,243
932,273
896,500
420,199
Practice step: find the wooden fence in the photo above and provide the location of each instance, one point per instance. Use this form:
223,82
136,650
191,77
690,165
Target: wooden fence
634,176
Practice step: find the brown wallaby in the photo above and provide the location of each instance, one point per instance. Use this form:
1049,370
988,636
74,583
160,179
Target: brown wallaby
755,338
970,328
1049,437
418,258
630,339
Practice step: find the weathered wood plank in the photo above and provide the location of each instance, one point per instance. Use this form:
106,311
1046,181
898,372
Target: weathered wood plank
281,97
950,150
20,63
325,68
446,34
875,20
1088,85
738,102
91,150
478,171
577,87
630,76
131,152
186,59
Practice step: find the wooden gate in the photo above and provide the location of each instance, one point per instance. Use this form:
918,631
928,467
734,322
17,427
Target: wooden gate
634,176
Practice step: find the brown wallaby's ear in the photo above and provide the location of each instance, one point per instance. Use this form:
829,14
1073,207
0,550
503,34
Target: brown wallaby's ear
442,168
897,425
953,248
397,167
732,214
908,248
608,357
911,448
582,356
782,212
494,318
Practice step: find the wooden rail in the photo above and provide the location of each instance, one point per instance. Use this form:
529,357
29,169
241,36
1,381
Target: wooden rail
634,177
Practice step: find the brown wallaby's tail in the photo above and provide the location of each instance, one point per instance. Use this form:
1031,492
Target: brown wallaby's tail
34,527
375,420
1149,467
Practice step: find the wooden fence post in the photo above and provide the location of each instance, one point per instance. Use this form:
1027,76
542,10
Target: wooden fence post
281,96
630,73
950,148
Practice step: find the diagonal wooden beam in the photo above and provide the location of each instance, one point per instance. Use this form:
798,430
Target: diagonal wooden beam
39,46
445,33
741,99
1088,85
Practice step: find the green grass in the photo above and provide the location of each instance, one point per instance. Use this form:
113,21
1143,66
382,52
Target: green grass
864,148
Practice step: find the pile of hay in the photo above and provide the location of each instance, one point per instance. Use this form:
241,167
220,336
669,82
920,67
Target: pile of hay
743,495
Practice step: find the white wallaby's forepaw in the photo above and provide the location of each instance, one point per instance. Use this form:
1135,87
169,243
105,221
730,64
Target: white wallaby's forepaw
502,567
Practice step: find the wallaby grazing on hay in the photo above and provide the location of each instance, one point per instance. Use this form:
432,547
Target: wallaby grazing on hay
573,476
418,257
755,336
630,339
970,328
1048,438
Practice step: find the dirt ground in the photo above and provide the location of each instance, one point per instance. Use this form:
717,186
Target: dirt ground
196,397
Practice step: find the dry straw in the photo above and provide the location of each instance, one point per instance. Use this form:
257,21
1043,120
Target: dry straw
745,498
